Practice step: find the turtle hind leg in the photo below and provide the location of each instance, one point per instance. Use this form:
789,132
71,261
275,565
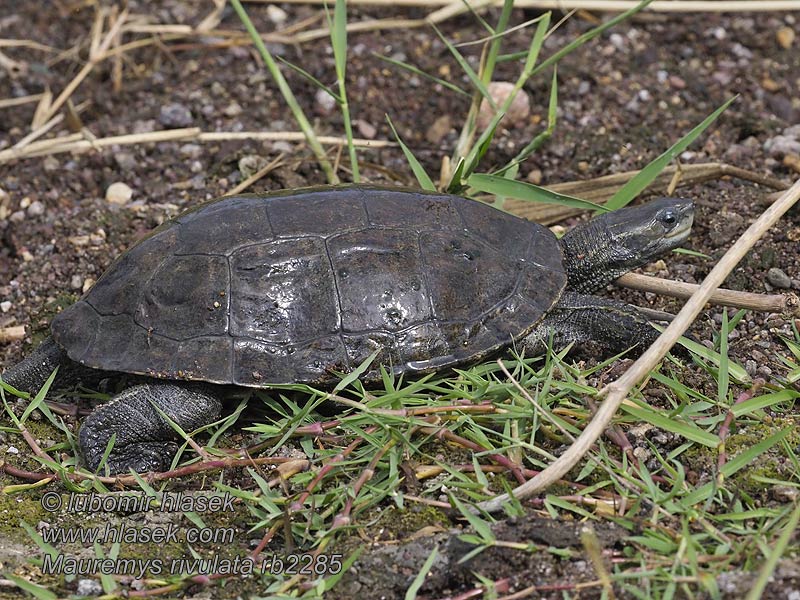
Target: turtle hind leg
581,318
145,440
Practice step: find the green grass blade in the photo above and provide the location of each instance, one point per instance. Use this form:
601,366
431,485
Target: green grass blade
480,147
764,401
34,590
311,79
646,176
287,93
497,40
408,67
740,461
723,380
40,396
425,182
764,576
415,586
683,428
735,370
339,42
500,186
470,72
593,33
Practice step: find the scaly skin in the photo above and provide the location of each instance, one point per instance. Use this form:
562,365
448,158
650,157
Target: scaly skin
595,254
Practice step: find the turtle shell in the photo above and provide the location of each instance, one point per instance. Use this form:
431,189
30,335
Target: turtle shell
298,286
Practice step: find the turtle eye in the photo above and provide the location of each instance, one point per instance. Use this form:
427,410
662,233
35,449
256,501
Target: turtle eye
668,217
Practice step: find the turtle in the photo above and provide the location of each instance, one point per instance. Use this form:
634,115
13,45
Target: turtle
301,286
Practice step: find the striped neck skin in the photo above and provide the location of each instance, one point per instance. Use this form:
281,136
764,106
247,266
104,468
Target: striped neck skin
590,260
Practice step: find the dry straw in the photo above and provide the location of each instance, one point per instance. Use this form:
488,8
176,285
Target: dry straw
679,6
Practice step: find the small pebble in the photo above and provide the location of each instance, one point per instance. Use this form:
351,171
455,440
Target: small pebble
24,203
750,366
535,176
785,37
76,282
440,128
792,161
78,240
250,164
778,278
366,130
87,284
234,109
36,209
217,89
17,216
125,161
5,306
276,14
784,493
325,102
516,115
781,145
191,150
12,450
676,82
51,164
175,115
119,193
89,587
281,146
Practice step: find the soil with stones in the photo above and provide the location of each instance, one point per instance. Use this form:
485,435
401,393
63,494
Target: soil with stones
623,99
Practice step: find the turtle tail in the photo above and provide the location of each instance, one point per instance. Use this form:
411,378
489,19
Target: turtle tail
30,374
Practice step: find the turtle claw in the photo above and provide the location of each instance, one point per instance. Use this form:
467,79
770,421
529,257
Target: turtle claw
139,458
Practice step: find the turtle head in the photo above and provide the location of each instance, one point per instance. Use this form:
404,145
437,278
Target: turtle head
638,234
612,244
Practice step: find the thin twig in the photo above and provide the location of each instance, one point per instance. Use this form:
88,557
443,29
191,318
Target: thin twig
77,142
682,6
776,303
617,391
9,102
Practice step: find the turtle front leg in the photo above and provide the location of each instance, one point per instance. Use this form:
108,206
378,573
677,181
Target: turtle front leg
145,441
581,318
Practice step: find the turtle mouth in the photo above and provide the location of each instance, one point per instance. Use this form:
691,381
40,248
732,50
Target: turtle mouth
682,229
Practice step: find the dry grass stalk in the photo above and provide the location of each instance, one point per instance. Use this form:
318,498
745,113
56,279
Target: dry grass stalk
77,142
677,6
45,102
30,44
9,102
213,18
616,392
14,67
775,303
97,50
600,189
